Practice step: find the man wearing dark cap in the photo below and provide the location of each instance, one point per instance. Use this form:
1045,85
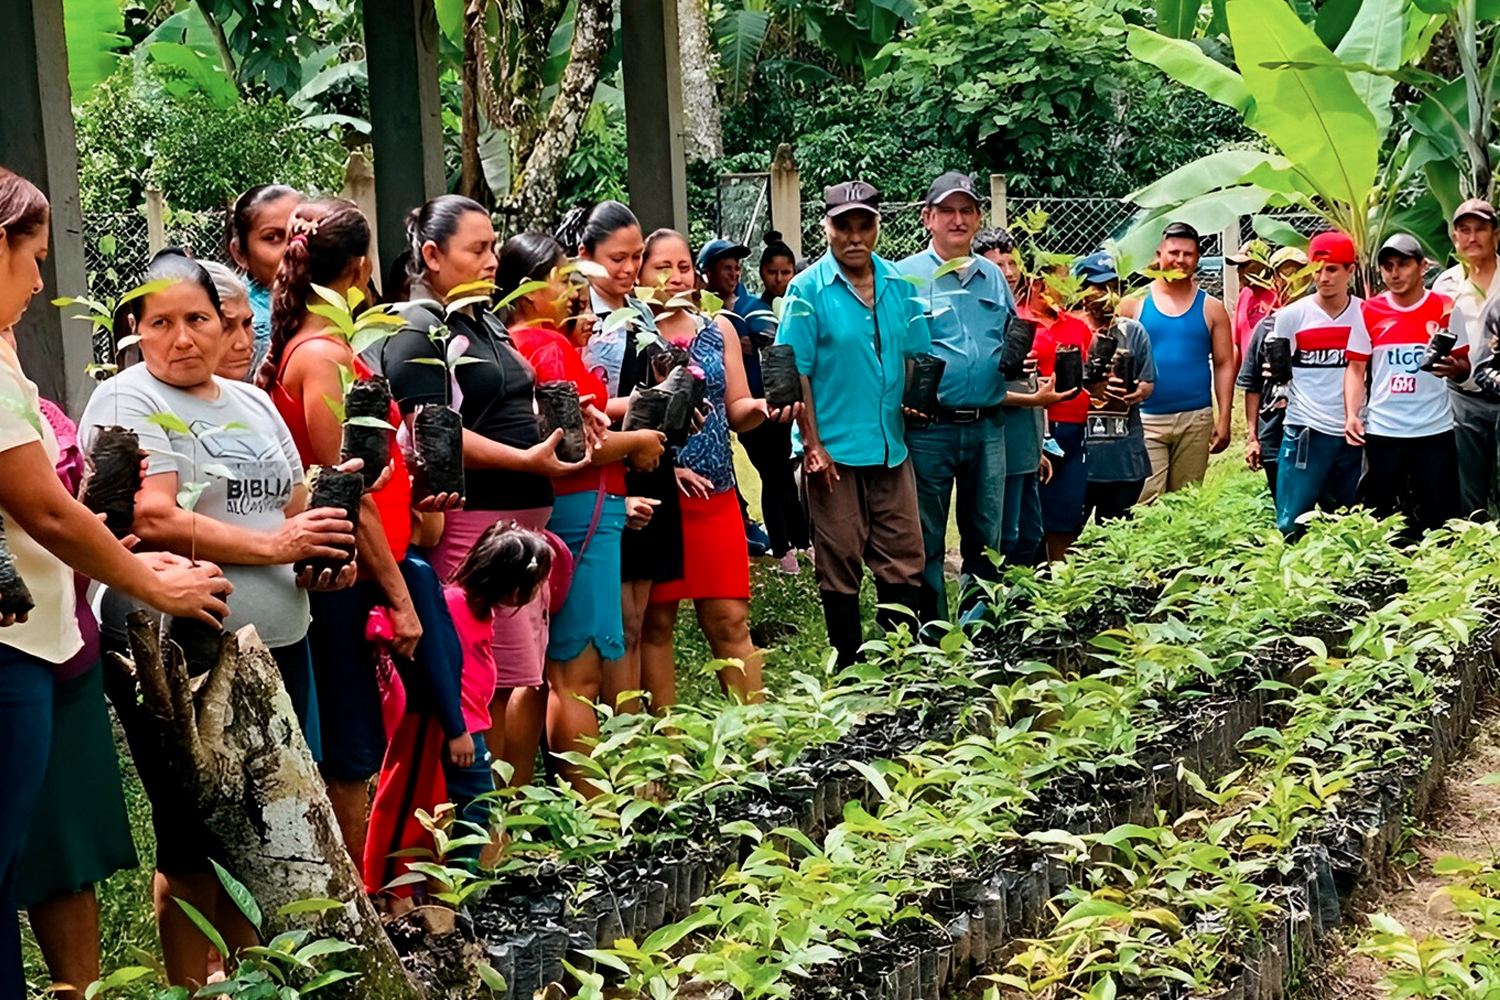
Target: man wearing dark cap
1188,329
855,325
964,444
1470,285
1411,461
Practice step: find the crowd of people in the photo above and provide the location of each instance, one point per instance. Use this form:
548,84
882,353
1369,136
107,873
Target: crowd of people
472,635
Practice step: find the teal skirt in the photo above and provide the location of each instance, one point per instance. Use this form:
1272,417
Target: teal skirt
80,835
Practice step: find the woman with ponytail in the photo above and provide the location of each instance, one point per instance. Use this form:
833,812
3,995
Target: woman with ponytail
329,246
509,468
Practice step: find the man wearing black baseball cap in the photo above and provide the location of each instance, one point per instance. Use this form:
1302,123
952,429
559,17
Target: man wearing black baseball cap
1470,285
965,443
1411,462
1194,349
855,325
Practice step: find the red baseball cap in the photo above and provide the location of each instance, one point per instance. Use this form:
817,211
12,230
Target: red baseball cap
1332,248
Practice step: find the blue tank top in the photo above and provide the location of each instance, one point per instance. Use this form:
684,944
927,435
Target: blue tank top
1182,347
707,452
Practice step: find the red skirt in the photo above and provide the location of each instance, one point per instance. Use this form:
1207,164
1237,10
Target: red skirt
716,558
411,779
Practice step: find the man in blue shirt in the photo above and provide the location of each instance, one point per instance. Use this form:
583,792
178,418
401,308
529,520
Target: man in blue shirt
854,326
968,309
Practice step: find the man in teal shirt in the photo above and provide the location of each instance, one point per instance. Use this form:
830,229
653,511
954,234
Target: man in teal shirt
968,310
854,325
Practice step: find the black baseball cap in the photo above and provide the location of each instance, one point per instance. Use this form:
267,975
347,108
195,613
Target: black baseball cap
1401,245
850,196
952,182
1180,231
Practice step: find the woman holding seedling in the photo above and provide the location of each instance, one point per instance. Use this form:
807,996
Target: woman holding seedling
222,482
717,578
309,372
463,357
549,323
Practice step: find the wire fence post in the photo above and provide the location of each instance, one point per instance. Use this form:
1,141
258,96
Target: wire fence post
1229,240
156,221
786,198
359,187
999,210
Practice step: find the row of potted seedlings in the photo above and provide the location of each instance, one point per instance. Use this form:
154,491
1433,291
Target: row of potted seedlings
1211,741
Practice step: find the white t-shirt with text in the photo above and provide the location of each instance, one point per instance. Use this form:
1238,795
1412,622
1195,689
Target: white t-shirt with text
1405,401
1319,342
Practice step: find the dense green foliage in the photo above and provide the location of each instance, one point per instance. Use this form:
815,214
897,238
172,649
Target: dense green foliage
1043,93
201,155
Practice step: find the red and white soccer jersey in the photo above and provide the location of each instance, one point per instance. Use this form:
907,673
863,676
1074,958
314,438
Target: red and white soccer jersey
1405,401
1316,394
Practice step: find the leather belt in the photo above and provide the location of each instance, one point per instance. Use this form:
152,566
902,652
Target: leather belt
948,415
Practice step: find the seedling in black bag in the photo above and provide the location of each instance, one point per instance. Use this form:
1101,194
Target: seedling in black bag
1101,353
779,376
114,459
1068,368
438,431
922,389
558,409
1439,346
1020,335
198,640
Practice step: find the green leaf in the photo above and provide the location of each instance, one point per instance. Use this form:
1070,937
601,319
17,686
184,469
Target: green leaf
1187,64
189,494
170,422
207,929
740,34
1374,38
1177,18
1269,227
325,946
491,978
951,267
142,290
315,905
236,889
116,979
188,71
1312,114
95,34
327,979
1207,173
527,287
619,318
376,422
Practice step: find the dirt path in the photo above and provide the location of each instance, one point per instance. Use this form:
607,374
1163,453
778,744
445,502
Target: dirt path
1465,821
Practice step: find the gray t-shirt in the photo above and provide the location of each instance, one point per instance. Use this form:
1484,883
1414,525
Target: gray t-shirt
1116,457
262,460
1025,426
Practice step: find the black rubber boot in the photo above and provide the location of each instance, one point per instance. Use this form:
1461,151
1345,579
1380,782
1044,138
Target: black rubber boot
906,595
845,630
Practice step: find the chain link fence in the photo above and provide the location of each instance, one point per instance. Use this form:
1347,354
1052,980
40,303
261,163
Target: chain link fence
117,245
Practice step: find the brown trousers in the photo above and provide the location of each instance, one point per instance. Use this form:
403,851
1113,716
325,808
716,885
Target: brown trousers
869,519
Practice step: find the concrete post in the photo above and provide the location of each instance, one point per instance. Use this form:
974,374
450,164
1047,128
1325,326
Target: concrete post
359,187
999,210
1229,240
156,221
37,142
405,112
786,198
653,113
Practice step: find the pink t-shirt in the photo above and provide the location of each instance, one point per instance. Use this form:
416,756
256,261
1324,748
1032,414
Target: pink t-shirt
476,637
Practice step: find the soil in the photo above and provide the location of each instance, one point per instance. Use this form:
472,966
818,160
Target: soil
368,398
15,596
331,488
922,390
778,370
438,440
1463,823
557,407
114,478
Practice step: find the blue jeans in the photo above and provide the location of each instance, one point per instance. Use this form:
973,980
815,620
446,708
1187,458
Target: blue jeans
25,737
465,785
971,456
1021,538
1314,468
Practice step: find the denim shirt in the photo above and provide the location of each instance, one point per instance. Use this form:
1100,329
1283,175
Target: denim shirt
855,358
968,312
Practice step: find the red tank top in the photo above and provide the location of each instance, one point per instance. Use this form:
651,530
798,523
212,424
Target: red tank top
394,499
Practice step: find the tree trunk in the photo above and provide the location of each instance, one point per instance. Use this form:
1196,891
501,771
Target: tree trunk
238,752
533,199
704,139
471,174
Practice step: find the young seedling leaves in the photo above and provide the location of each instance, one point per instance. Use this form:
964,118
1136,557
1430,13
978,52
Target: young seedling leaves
619,318
241,895
189,494
204,926
328,978
170,422
952,266
314,905
494,980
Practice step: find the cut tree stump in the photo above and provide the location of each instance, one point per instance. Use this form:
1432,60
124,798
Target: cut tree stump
238,752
